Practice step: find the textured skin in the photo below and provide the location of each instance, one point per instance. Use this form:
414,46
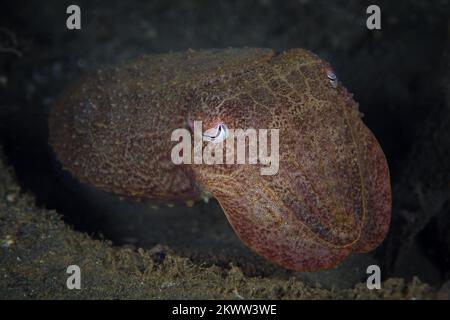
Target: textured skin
331,196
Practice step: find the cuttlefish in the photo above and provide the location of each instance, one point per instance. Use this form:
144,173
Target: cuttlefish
331,194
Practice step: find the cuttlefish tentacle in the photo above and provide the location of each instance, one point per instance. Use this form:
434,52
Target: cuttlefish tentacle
331,195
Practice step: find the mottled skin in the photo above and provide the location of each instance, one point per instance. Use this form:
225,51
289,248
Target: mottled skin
331,196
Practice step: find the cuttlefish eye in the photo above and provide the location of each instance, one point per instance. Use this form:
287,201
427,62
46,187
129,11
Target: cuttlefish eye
216,134
333,78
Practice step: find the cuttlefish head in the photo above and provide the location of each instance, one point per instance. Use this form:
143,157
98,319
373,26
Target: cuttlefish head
329,194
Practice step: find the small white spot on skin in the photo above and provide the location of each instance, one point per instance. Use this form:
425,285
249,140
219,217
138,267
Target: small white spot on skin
217,134
333,78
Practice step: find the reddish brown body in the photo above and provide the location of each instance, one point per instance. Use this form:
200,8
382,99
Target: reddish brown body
331,195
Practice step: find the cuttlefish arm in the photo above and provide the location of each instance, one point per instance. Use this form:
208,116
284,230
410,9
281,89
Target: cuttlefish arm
330,195
309,216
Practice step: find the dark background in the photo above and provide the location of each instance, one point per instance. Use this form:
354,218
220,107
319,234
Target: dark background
399,75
